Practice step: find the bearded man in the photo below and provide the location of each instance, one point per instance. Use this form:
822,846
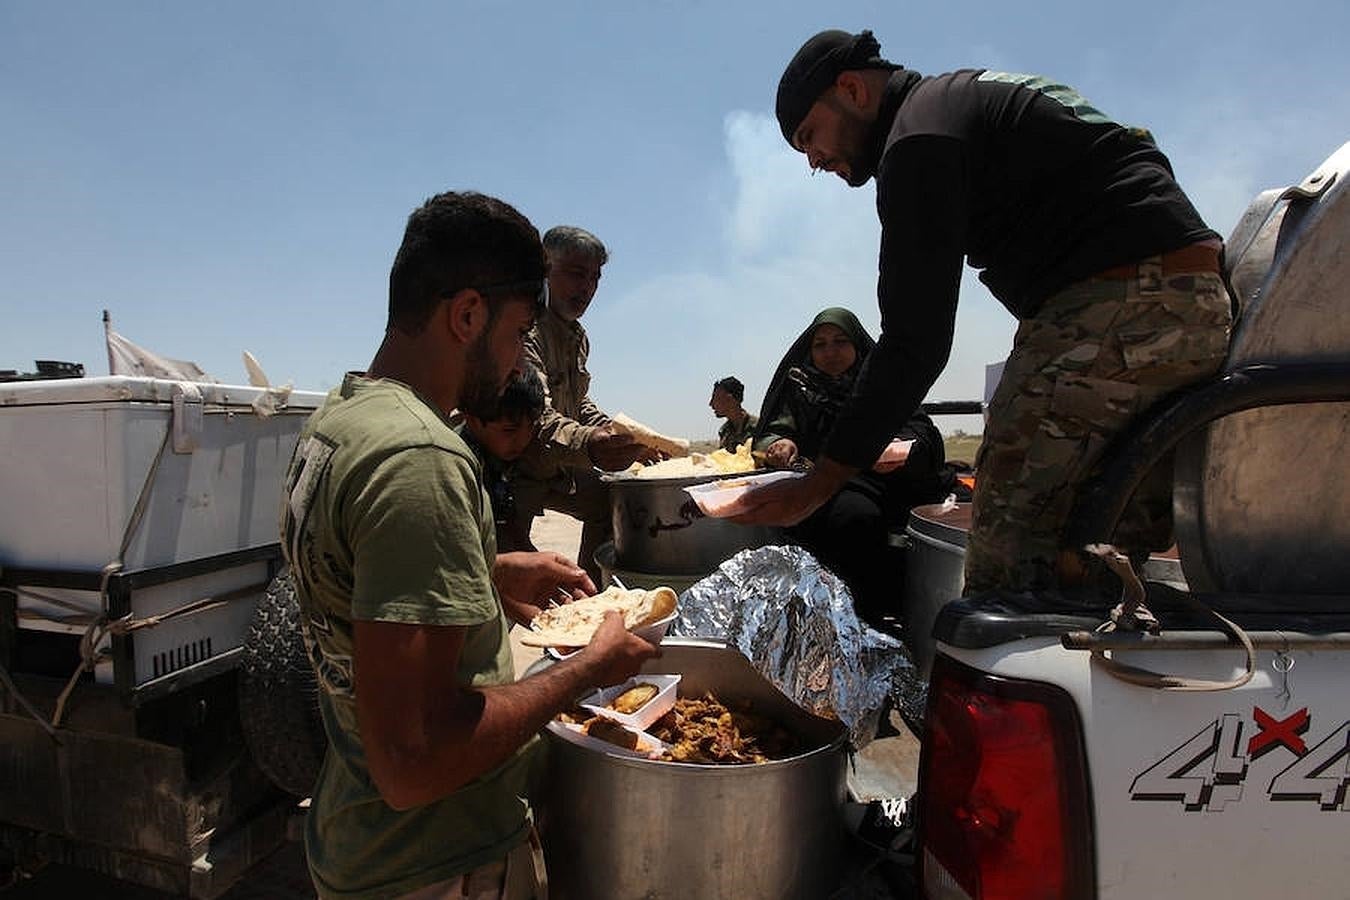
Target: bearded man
1077,226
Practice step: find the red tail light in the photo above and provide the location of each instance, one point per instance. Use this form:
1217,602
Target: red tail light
1004,805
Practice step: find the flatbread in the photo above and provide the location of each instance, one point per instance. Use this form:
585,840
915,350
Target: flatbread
671,446
574,624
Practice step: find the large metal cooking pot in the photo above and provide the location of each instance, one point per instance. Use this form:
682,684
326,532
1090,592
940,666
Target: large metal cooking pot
935,572
659,529
935,562
616,827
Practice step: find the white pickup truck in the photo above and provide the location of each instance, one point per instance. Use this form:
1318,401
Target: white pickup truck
1064,760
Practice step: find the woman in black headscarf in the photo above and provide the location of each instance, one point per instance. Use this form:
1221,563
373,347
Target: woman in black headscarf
851,533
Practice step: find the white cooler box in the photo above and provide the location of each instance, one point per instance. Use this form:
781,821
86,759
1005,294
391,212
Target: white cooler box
209,461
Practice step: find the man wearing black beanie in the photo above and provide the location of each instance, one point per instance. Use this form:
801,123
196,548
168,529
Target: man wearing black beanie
1077,226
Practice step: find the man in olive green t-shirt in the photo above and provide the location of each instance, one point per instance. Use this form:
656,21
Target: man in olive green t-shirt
404,600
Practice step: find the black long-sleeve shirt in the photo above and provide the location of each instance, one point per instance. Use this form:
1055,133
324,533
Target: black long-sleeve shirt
1026,181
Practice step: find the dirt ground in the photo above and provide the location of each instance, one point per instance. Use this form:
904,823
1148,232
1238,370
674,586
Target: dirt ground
558,532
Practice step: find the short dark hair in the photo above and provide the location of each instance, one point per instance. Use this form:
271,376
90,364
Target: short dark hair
523,398
455,241
732,385
563,240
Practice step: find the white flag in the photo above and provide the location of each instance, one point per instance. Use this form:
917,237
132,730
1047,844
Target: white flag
127,358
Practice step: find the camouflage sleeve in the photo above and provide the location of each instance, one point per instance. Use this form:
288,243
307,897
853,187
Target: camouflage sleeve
922,202
591,414
564,440
587,412
561,440
534,355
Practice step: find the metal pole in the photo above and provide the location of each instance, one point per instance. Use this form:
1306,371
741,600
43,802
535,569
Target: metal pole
107,340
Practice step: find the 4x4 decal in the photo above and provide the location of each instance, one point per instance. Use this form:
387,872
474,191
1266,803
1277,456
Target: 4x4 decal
1208,771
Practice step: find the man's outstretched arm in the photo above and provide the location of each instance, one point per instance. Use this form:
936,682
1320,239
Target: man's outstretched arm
425,735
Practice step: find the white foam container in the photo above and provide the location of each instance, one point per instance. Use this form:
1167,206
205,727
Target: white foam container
77,452
720,498
649,712
656,631
648,747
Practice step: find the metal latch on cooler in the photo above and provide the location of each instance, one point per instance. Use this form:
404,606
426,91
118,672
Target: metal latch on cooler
1312,187
187,417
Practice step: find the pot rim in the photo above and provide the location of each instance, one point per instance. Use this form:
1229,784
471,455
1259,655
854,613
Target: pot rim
727,770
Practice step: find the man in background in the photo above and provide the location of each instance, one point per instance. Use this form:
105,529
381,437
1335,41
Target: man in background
558,469
728,395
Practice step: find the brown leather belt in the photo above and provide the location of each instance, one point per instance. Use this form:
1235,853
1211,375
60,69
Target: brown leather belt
1200,257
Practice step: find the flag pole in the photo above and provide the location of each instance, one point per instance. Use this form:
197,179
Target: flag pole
107,342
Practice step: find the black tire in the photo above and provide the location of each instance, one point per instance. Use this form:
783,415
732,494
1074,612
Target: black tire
278,694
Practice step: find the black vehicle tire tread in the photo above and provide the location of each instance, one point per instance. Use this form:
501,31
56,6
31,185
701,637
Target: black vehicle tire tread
278,694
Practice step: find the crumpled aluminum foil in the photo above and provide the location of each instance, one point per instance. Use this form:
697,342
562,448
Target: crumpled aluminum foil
794,620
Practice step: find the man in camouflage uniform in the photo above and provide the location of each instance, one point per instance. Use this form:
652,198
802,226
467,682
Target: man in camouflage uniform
727,396
1078,227
575,437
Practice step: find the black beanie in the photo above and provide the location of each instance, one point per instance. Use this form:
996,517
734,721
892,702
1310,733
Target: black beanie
816,66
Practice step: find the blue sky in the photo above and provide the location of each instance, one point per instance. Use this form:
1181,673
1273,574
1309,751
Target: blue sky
229,177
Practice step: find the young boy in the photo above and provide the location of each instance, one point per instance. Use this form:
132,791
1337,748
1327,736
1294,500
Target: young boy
498,442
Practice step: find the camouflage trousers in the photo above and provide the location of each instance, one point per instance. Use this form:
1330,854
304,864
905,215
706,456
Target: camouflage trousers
1094,358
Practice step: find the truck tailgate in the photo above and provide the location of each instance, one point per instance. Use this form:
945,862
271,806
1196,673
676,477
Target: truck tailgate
1250,783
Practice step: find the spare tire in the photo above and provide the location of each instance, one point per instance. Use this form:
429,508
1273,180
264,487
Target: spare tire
278,694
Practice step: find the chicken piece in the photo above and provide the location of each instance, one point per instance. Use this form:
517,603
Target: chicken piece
574,716
703,730
612,732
